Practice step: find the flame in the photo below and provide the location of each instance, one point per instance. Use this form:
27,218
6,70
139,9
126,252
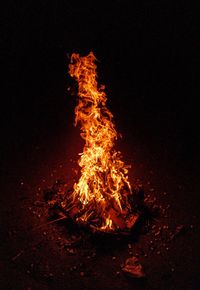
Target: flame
103,188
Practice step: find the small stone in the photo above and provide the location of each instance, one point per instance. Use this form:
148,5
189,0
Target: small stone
118,273
113,258
71,251
129,246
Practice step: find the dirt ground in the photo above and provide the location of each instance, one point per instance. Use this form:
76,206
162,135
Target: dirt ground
38,255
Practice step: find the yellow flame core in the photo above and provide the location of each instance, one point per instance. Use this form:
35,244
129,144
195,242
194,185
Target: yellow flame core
103,173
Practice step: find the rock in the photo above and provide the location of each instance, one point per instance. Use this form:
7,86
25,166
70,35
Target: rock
133,268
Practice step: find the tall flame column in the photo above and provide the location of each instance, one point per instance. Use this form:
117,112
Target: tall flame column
103,186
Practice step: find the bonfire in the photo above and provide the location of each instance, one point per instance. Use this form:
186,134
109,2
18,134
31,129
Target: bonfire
102,198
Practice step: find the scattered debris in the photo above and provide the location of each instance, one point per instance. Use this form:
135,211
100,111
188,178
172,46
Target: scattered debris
71,251
17,256
180,230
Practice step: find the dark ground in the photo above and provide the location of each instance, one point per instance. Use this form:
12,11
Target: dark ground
148,60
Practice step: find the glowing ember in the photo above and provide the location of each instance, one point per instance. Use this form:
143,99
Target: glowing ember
103,192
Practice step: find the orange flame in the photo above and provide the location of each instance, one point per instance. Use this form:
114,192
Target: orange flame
103,187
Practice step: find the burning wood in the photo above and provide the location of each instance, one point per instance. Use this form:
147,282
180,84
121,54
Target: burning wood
102,198
61,204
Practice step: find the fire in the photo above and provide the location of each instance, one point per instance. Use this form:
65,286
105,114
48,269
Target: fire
103,190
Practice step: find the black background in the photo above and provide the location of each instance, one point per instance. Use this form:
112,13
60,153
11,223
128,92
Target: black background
148,59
